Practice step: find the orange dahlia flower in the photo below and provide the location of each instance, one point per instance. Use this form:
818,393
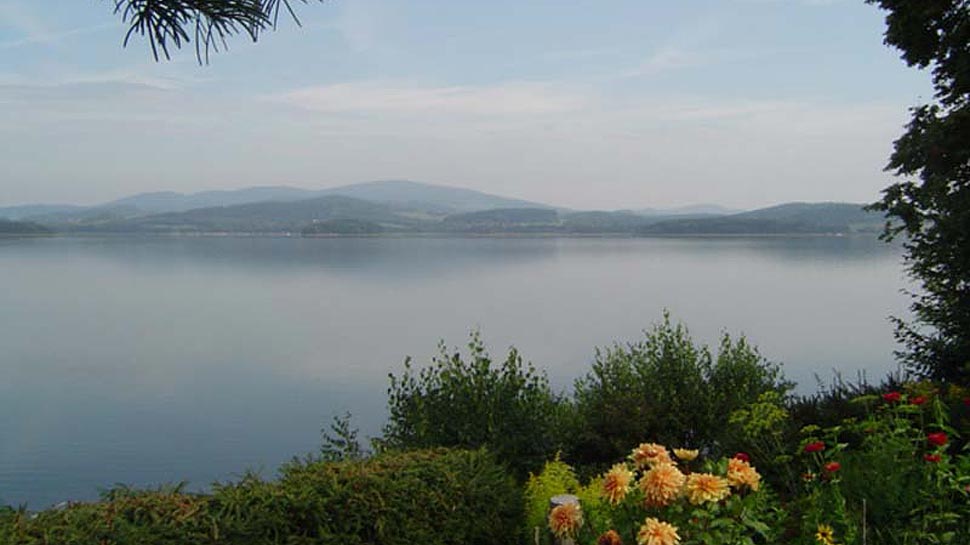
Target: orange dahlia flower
740,474
565,520
661,484
609,537
650,454
616,483
654,532
704,487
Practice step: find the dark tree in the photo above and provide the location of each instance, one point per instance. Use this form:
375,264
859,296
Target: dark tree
174,23
930,205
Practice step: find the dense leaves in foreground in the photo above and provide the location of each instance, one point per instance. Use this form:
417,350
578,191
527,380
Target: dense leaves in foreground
667,388
430,497
472,402
930,205
888,463
899,474
664,387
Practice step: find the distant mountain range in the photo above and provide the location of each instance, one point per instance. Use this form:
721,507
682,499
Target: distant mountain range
790,218
410,207
22,228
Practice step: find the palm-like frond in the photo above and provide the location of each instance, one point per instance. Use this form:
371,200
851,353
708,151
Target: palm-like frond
174,23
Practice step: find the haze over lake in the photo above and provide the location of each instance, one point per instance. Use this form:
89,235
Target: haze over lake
149,360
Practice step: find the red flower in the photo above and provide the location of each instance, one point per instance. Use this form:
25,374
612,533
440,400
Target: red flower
966,402
918,400
932,458
891,397
817,446
937,439
832,467
743,456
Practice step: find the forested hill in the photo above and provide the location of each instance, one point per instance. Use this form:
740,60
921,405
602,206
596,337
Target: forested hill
22,228
389,207
400,193
791,218
264,217
503,220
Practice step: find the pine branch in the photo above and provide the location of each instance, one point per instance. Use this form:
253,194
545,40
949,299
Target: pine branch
171,24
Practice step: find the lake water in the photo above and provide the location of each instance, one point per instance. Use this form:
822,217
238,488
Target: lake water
149,360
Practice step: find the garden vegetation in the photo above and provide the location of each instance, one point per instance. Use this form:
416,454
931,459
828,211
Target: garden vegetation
664,442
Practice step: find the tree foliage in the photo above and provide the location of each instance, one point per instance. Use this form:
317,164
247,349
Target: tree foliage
668,389
209,23
473,402
930,205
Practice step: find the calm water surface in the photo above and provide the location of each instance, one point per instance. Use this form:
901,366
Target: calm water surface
148,360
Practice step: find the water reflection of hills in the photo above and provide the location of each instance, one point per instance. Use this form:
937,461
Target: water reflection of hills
816,249
437,256
380,257
152,359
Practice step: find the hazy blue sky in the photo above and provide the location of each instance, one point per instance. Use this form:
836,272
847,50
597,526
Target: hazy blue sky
591,104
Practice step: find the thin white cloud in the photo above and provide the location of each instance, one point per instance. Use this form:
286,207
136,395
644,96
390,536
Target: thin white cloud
377,97
684,47
49,37
664,60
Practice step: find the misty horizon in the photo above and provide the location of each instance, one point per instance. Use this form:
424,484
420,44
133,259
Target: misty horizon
597,108
542,202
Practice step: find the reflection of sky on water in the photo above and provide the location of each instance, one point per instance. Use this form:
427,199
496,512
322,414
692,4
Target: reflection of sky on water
147,360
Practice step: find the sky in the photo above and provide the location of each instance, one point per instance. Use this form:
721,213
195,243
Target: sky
599,104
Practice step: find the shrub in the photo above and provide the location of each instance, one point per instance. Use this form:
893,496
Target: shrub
473,403
666,388
431,497
764,430
898,472
555,478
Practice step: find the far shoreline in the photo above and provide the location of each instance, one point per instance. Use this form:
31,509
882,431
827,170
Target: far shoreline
431,235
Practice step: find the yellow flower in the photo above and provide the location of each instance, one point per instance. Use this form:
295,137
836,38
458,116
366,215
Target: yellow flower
702,487
650,454
740,474
654,532
565,520
687,455
661,485
616,483
825,535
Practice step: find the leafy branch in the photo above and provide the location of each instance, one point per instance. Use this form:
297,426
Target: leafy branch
172,24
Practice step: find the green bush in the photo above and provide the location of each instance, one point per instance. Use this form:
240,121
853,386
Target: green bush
667,389
901,472
555,478
473,403
430,497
